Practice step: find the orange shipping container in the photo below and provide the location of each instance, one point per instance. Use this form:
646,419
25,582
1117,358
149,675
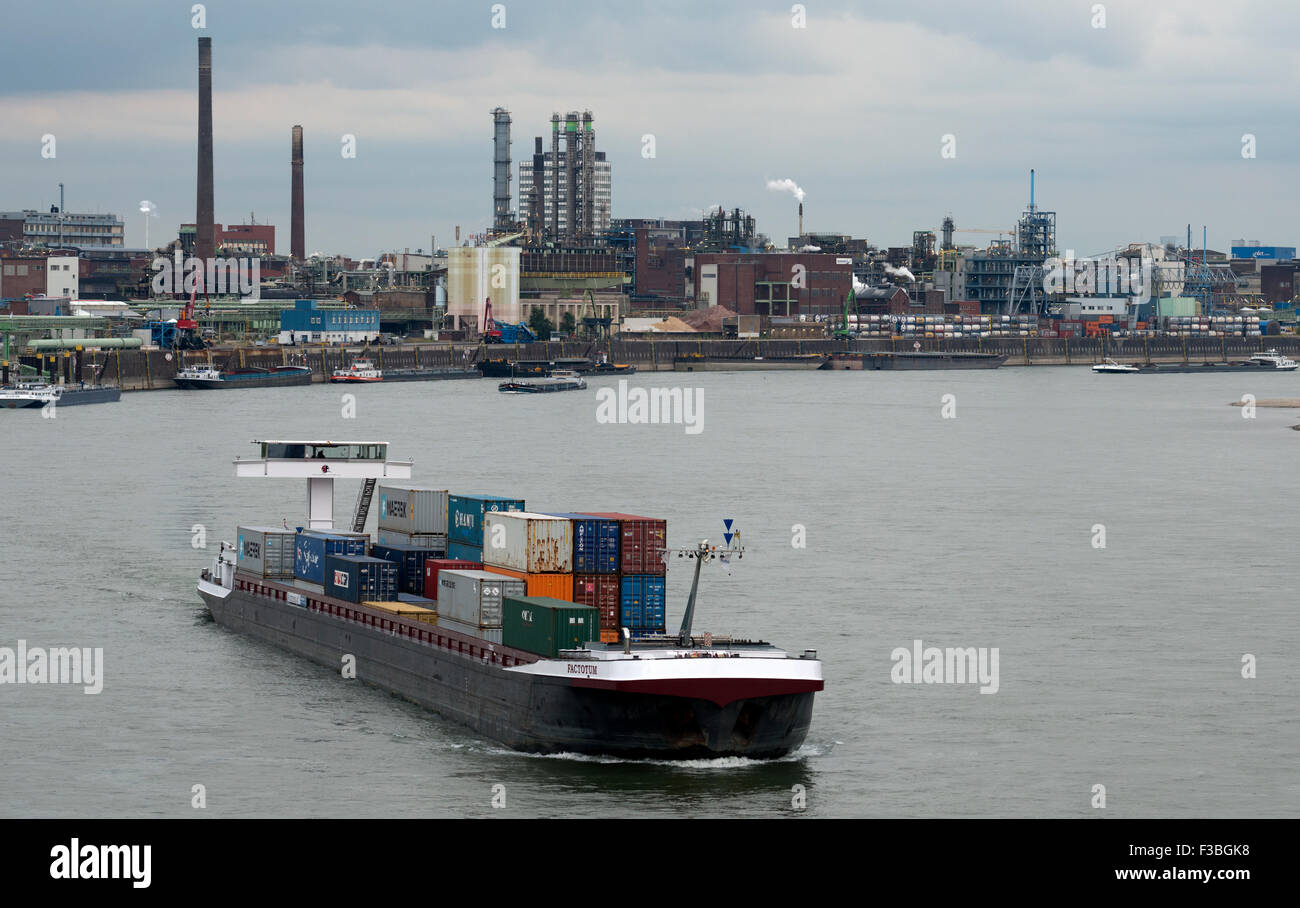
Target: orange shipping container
556,586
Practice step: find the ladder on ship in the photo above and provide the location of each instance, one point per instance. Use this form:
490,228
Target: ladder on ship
363,506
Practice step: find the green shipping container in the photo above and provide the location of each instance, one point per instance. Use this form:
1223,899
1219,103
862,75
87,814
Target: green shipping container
541,625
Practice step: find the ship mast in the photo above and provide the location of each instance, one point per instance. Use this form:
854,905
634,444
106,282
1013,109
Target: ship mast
701,553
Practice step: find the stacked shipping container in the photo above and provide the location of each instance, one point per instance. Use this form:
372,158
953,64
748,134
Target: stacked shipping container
542,625
359,578
432,566
311,547
469,601
534,548
410,561
266,552
642,589
413,515
465,522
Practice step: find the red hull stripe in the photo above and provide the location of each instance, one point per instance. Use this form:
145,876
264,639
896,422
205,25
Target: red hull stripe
719,690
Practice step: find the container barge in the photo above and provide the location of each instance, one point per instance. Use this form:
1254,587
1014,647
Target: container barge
206,378
34,394
696,363
1272,361
549,685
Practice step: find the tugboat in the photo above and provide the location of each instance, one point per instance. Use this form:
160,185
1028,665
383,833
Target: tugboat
681,696
361,370
556,381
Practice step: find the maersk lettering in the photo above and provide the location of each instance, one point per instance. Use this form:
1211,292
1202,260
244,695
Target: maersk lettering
397,508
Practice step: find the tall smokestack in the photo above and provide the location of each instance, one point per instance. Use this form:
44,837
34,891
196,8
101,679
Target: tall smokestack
204,216
500,169
801,220
297,230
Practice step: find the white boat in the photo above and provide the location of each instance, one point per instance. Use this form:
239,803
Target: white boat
361,370
556,381
1275,360
1111,366
29,394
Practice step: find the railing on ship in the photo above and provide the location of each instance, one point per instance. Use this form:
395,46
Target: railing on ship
415,631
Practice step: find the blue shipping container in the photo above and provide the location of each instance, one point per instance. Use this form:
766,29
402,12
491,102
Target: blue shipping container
459,551
643,601
595,543
410,564
465,516
358,578
310,548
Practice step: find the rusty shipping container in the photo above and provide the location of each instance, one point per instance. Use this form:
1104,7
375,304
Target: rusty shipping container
556,586
528,542
642,543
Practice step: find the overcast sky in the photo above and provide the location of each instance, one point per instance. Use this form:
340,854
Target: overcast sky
1135,129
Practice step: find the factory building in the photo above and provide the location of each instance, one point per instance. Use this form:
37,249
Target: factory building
55,228
234,239
773,284
307,324
576,183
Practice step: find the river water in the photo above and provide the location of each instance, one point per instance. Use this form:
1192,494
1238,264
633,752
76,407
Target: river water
1118,666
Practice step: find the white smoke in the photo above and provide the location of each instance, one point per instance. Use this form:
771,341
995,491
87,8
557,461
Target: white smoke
789,186
858,286
900,273
810,249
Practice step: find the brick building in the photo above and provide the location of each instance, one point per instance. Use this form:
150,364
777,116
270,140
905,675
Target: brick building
773,283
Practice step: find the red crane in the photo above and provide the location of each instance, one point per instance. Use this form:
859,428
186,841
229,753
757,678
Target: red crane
491,332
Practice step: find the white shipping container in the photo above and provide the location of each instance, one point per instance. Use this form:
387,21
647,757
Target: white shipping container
528,542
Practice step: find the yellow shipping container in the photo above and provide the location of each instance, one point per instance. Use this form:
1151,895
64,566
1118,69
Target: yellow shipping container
405,610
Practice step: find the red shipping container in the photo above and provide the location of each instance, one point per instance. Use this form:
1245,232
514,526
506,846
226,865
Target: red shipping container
642,543
600,591
433,565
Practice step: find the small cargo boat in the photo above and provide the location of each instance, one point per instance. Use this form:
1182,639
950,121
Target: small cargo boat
557,381
361,370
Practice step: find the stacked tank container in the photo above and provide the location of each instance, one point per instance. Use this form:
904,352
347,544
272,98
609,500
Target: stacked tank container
642,588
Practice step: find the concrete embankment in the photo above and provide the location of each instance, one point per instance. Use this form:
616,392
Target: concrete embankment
153,369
